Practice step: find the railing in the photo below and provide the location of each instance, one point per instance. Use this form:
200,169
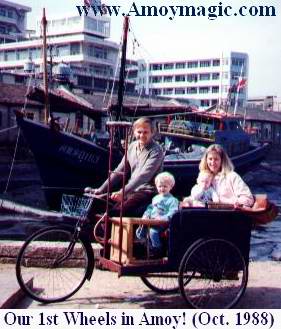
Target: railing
179,130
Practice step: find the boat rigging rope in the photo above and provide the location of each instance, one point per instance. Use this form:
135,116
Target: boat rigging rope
114,81
6,129
27,92
12,164
18,136
138,101
139,50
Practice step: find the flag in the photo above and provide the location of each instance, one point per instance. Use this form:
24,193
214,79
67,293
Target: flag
241,84
237,86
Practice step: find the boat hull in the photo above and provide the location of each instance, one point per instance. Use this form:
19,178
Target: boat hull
67,163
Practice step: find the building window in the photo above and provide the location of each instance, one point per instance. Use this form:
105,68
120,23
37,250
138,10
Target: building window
74,48
216,62
62,50
156,67
180,65
142,67
100,53
237,61
167,91
191,90
180,78
234,75
156,79
168,66
205,102
91,24
10,29
2,12
215,89
192,78
179,91
203,90
215,76
192,64
35,53
2,56
204,76
90,51
205,63
73,21
11,55
168,78
156,92
84,81
10,14
22,54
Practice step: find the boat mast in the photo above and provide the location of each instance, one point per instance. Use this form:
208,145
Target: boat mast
45,73
121,85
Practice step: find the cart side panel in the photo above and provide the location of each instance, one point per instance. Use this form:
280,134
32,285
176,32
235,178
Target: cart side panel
188,225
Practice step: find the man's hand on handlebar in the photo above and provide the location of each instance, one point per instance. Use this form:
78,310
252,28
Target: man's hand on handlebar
93,191
116,196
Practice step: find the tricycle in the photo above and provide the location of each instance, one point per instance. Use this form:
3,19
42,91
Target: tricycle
206,256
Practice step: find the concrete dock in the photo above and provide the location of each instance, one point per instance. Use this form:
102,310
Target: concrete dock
106,290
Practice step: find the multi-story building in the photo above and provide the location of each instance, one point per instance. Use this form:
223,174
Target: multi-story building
206,81
78,41
12,21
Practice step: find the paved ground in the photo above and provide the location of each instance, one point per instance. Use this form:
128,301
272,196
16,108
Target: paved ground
106,290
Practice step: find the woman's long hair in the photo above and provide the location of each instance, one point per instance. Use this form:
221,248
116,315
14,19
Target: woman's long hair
226,163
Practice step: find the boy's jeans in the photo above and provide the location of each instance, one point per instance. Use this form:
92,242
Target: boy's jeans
154,235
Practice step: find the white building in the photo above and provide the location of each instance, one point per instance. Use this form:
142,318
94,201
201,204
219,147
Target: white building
79,41
12,21
205,80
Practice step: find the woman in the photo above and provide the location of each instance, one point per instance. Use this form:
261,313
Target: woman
144,161
230,187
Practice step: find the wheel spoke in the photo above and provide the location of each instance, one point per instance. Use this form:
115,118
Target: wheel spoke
162,283
213,274
56,265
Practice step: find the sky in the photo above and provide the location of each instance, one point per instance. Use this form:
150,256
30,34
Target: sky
185,37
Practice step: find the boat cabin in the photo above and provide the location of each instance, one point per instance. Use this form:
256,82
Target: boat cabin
204,129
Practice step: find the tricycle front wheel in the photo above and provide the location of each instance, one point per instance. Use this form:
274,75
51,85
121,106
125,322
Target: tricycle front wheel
52,265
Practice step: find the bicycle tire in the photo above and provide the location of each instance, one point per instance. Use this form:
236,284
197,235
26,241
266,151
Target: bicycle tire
40,272
213,274
162,283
